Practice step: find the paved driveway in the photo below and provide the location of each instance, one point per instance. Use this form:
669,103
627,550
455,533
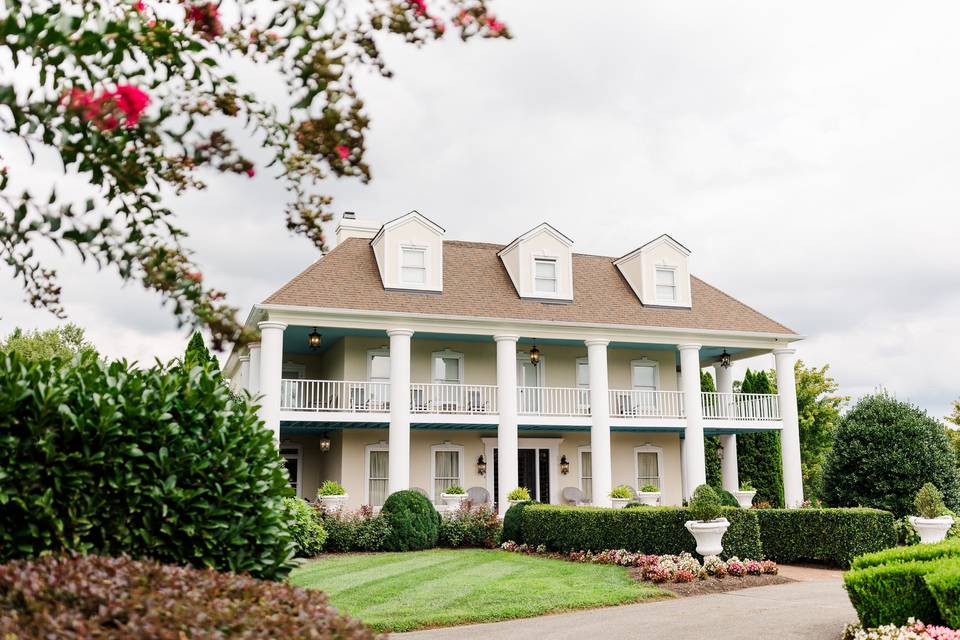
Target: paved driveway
814,607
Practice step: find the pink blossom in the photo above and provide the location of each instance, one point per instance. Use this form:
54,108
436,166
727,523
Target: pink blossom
343,152
420,6
139,7
205,19
131,100
494,25
249,171
196,276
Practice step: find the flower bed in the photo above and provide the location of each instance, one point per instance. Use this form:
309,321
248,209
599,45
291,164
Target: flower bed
913,630
659,568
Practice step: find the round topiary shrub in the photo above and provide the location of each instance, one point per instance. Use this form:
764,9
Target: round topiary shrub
884,451
705,504
727,499
165,463
120,598
513,522
305,525
414,522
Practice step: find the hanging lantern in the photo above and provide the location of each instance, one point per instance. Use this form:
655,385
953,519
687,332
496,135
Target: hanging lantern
534,355
481,466
725,359
564,465
313,340
324,444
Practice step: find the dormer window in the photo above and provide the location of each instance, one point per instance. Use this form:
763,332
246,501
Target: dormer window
666,285
413,266
545,276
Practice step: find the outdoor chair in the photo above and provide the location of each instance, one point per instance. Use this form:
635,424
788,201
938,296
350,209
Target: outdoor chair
573,495
478,495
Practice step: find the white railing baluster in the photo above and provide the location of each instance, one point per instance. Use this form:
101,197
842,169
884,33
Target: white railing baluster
631,403
740,406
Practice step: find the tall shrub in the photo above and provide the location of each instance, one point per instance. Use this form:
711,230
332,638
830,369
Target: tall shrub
711,444
884,451
161,462
414,521
758,454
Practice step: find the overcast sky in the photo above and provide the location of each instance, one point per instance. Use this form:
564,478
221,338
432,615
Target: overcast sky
807,155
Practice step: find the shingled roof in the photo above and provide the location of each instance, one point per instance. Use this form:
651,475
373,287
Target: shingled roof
476,284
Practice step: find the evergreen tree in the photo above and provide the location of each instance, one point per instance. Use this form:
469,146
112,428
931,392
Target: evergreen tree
197,354
758,454
711,444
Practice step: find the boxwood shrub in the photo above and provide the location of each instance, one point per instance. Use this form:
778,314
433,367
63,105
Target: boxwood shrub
893,593
119,598
164,462
915,553
655,530
944,585
414,521
513,522
831,536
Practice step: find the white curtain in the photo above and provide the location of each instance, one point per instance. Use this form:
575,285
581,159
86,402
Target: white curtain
378,477
586,474
447,472
647,470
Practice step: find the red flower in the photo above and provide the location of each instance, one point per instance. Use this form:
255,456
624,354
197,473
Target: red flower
103,110
139,7
249,171
343,152
131,101
494,25
205,19
420,6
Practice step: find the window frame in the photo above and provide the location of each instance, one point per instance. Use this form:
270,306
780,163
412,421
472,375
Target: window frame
676,284
298,456
555,261
648,448
446,353
383,445
422,250
645,362
580,451
434,449
371,353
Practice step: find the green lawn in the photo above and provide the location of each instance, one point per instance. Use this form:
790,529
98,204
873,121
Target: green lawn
441,587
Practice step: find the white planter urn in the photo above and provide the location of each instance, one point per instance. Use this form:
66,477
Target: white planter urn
333,502
745,498
619,503
709,535
931,530
513,502
649,498
453,500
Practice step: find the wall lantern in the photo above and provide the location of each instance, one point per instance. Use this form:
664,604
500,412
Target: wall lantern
725,359
481,466
534,355
324,443
564,465
313,340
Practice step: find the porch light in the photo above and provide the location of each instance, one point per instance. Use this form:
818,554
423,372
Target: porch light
313,340
534,355
564,465
725,359
324,444
481,466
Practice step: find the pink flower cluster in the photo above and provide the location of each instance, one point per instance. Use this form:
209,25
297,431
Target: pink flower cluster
913,630
205,19
666,568
106,108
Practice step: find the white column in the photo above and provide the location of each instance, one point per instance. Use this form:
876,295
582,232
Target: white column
728,463
790,435
243,377
398,456
600,419
683,466
508,479
693,462
271,367
253,381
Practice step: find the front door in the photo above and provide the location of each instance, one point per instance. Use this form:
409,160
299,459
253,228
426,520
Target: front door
533,472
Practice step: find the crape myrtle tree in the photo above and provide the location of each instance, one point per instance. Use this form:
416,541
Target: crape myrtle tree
133,97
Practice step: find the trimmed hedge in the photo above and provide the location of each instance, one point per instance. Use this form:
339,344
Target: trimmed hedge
653,530
944,586
915,553
832,536
414,521
893,593
120,598
513,522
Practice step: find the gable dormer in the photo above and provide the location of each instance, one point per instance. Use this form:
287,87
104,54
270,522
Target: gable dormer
540,264
409,252
658,272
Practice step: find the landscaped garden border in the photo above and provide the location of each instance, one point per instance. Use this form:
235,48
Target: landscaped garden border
830,536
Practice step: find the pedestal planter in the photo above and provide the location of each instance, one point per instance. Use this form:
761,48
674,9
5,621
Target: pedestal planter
619,503
333,502
513,502
649,498
931,530
745,498
709,535
453,500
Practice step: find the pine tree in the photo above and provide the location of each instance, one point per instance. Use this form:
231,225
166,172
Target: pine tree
758,454
197,354
711,444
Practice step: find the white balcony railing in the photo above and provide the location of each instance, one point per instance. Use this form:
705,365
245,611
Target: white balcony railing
466,399
334,395
648,404
553,401
740,406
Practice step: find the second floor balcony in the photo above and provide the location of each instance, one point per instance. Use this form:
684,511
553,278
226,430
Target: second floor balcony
373,397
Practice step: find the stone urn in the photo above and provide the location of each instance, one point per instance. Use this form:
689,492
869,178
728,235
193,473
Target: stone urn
709,535
333,502
649,498
931,530
453,500
745,498
619,503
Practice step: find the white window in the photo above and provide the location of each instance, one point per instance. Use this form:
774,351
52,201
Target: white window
666,284
448,367
291,390
586,474
643,375
377,473
648,465
292,459
583,383
545,275
447,468
378,370
413,265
